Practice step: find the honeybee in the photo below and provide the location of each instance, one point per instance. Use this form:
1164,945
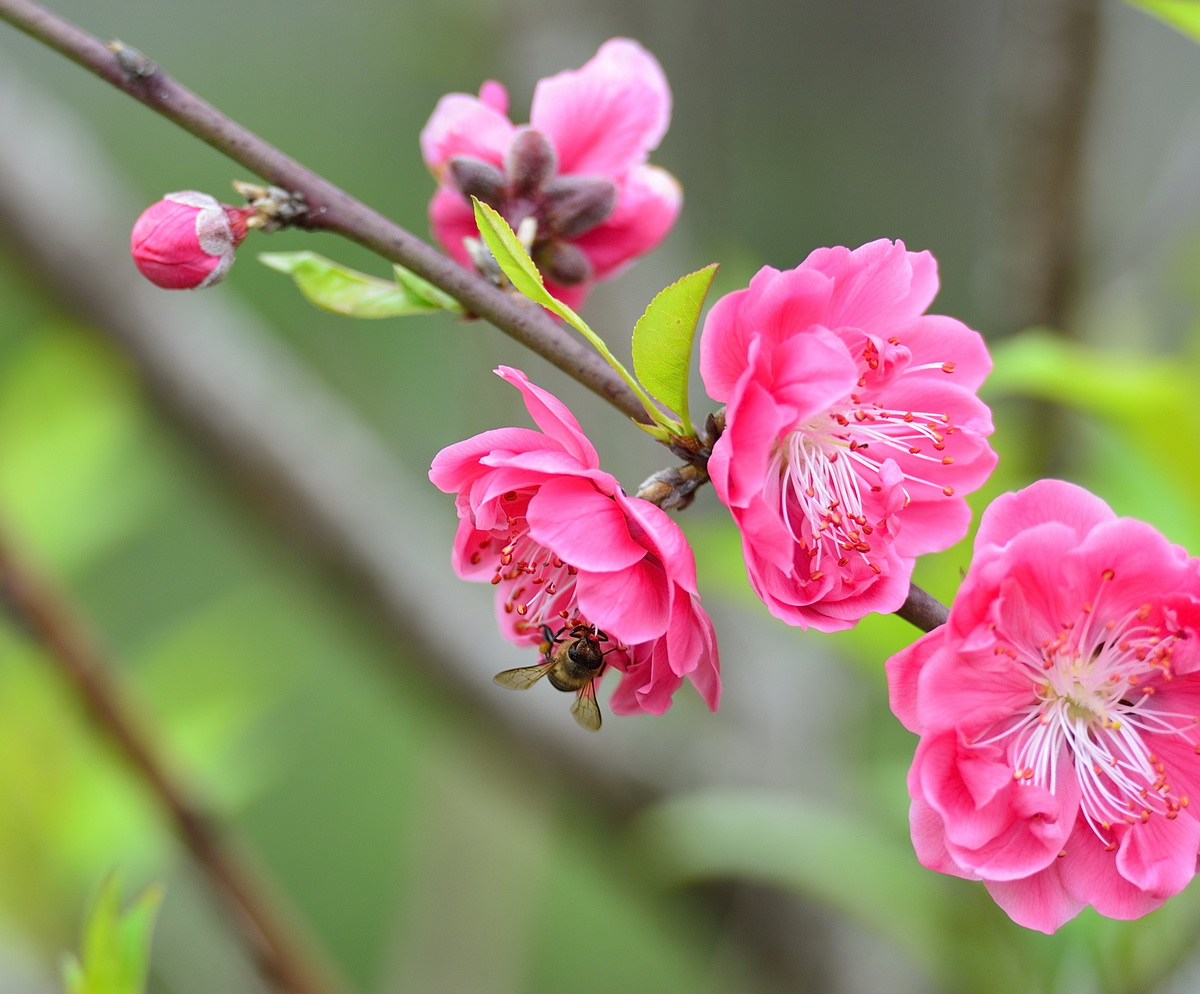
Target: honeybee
574,661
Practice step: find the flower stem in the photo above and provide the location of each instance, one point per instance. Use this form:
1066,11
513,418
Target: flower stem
923,610
51,619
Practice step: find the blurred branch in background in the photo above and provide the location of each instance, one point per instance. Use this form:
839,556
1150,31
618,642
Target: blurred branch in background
46,613
1044,89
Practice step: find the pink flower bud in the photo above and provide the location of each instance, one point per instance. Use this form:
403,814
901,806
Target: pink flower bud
186,241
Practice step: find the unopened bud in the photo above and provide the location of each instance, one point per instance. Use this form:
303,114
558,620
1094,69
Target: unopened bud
530,161
673,488
186,241
574,205
562,263
479,179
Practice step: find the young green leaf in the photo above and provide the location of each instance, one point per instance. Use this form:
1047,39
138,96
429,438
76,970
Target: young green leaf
510,254
424,291
515,263
662,340
116,943
342,290
1183,15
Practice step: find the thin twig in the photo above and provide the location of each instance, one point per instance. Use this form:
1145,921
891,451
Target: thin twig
52,620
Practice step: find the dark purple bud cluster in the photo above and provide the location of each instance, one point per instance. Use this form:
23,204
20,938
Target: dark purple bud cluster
563,207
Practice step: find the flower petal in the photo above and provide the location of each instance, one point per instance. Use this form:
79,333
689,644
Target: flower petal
582,526
464,125
903,673
1039,901
552,416
606,117
879,285
774,307
648,203
1158,856
451,220
456,465
1045,500
632,603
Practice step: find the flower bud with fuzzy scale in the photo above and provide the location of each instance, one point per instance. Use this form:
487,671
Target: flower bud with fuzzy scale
187,240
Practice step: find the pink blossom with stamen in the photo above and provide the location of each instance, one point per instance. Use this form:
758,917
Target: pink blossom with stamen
853,430
1059,713
565,546
579,168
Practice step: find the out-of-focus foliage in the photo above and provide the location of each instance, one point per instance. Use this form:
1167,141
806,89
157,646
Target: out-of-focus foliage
116,943
1181,14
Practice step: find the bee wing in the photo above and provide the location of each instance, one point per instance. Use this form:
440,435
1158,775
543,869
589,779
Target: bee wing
522,678
585,709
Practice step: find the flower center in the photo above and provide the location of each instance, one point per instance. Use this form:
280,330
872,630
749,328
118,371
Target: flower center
1094,705
831,485
539,586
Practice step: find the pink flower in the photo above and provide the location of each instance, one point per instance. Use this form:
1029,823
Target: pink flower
852,428
1058,710
579,168
566,547
186,241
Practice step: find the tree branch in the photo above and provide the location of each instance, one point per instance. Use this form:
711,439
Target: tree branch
332,209
51,619
1043,97
923,610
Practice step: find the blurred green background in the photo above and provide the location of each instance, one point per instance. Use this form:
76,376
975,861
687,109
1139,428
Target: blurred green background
430,832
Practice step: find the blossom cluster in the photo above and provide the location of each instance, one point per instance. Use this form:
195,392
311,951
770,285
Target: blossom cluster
1058,707
578,170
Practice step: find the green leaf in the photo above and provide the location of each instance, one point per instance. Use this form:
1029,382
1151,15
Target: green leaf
423,290
515,263
337,288
662,339
116,943
1183,15
811,849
